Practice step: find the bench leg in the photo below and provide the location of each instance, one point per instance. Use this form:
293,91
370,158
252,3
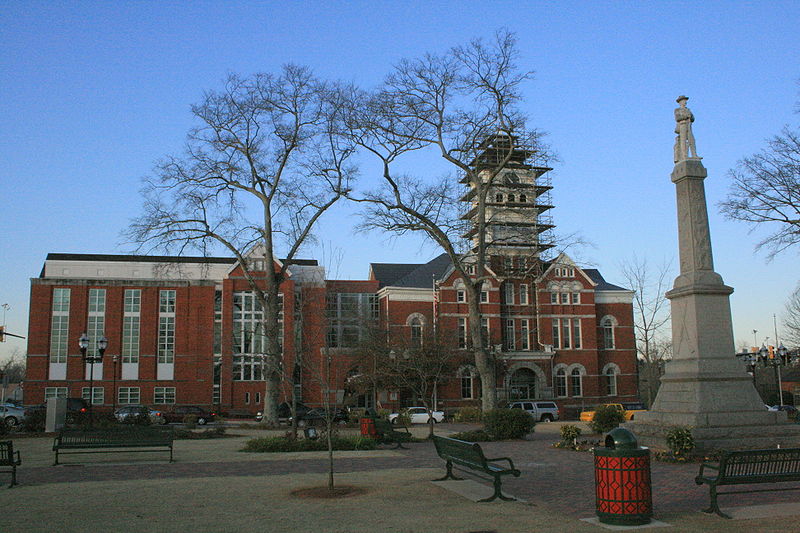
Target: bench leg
449,474
13,476
399,445
56,461
497,493
714,507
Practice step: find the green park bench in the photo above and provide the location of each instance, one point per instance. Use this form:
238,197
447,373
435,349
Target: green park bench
7,458
747,467
469,456
388,434
121,439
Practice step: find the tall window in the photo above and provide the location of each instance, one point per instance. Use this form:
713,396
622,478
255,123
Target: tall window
561,383
556,334
97,319
166,326
509,292
416,332
576,297
349,315
577,384
249,338
611,381
466,383
523,294
565,333
510,341
553,297
485,331
130,326
164,395
216,393
462,332
484,296
59,326
524,334
607,324
576,333
461,296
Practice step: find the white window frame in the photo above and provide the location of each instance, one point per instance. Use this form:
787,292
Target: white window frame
462,332
96,325
98,395
524,334
576,298
165,394
509,293
577,340
461,296
129,395
576,385
566,333
166,326
131,325
55,392
59,325
510,334
523,294
561,389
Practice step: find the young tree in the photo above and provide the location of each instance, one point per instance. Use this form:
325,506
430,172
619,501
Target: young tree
651,319
791,321
462,105
14,367
765,190
266,161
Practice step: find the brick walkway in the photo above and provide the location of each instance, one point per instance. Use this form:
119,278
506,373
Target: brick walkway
560,480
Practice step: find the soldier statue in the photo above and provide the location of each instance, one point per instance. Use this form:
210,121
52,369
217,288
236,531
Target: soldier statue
684,142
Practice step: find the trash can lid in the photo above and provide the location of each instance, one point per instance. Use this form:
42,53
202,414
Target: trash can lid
621,438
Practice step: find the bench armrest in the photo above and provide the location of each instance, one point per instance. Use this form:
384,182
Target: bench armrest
710,466
19,459
510,462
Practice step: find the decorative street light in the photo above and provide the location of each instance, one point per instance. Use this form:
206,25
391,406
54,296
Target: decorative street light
768,357
83,344
114,398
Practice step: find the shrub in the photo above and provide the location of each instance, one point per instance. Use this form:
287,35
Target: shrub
570,434
606,418
4,429
680,440
468,414
508,423
478,435
283,444
34,421
190,421
213,433
403,419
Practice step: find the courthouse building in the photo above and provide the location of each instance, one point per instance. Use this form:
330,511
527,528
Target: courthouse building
185,330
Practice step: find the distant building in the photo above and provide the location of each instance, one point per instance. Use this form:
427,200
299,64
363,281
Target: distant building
186,330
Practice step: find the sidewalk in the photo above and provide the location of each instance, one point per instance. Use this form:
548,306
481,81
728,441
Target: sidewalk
213,487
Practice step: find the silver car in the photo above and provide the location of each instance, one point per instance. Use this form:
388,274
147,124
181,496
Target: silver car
11,414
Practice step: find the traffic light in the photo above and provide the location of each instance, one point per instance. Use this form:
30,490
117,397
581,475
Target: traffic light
771,351
2,334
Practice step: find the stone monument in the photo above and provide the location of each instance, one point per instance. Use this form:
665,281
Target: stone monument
704,387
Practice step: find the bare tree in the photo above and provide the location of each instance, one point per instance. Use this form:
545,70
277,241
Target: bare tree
651,319
461,105
14,366
791,320
265,162
765,190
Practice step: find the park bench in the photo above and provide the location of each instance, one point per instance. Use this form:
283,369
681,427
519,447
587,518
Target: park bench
747,467
7,458
121,439
387,433
469,456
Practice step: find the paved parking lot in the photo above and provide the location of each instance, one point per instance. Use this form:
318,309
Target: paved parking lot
214,487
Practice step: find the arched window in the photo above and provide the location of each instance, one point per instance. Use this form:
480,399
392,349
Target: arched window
416,323
561,382
510,197
611,381
608,323
467,382
576,383
523,198
498,198
523,384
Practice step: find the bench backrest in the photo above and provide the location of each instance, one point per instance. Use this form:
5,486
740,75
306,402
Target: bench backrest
460,451
383,426
6,451
116,435
768,464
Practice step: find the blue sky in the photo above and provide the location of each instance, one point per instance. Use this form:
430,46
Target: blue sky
92,94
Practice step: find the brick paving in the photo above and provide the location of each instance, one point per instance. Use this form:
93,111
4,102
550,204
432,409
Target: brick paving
557,479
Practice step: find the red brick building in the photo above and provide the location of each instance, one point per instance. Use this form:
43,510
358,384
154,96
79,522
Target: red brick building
187,330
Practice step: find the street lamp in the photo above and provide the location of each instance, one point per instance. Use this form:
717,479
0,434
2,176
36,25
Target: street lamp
768,357
83,344
114,398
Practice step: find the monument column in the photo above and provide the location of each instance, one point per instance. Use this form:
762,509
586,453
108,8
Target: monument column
704,387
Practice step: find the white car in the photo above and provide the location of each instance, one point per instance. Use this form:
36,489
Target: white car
419,415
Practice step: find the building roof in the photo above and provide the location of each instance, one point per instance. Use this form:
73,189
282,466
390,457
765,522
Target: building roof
158,259
420,275
602,284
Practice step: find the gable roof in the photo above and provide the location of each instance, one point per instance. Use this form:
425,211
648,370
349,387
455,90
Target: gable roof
602,284
419,275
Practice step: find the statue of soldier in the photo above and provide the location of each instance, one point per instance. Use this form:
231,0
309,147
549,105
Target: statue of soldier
684,142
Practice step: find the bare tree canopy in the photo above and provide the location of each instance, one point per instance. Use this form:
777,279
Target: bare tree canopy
765,188
791,320
265,162
463,105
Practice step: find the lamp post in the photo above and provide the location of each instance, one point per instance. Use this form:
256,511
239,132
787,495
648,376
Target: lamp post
83,344
114,398
768,357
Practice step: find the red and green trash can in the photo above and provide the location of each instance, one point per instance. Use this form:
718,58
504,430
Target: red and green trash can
622,480
368,427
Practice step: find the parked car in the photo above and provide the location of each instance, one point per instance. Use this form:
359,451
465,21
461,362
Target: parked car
180,412
128,412
791,410
319,416
285,411
11,414
540,411
74,405
418,415
628,413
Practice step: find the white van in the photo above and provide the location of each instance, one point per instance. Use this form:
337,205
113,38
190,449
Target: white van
540,411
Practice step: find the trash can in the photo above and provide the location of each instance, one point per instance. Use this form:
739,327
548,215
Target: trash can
622,480
368,428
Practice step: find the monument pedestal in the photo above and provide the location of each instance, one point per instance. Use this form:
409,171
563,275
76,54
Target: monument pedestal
705,387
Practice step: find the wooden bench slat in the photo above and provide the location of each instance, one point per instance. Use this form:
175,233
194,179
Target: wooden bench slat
470,455
118,439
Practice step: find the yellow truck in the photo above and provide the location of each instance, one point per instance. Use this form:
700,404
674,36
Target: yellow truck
629,410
